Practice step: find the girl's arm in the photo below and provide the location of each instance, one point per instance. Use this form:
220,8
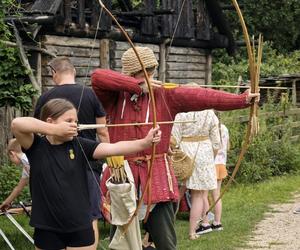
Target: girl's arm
14,194
25,127
127,147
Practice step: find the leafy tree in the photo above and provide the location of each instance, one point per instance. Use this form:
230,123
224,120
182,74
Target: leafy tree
15,90
277,20
226,70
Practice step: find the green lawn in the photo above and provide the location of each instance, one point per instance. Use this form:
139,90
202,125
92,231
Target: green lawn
243,207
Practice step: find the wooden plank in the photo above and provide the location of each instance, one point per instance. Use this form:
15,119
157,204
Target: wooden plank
185,74
187,58
186,51
81,13
104,54
80,71
202,21
67,12
208,69
70,41
167,21
73,51
185,25
81,62
183,66
162,63
149,25
125,46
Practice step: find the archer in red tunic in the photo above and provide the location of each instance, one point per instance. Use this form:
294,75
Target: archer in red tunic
125,102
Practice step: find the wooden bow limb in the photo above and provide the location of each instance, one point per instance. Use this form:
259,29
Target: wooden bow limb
151,94
94,126
252,127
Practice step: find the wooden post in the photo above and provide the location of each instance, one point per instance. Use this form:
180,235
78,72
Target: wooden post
162,62
104,54
294,93
208,70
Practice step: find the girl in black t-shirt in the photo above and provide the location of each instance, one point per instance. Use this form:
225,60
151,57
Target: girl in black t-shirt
58,183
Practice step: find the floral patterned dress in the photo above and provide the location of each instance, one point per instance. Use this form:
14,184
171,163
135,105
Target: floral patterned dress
205,127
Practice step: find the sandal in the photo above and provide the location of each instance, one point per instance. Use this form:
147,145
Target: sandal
194,236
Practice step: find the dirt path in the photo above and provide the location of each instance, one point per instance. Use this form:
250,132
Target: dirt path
280,230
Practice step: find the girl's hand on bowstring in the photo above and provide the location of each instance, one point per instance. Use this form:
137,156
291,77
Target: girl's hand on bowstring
66,129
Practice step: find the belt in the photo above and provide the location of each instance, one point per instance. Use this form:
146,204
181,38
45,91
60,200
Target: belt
147,158
139,159
194,138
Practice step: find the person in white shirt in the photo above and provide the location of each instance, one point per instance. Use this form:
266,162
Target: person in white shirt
19,158
220,163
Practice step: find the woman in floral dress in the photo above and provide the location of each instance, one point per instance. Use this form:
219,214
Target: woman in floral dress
200,141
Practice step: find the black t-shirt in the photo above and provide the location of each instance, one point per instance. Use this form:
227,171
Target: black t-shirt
89,109
58,184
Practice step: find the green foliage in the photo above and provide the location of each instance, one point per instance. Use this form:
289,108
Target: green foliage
277,20
271,153
226,70
15,89
9,178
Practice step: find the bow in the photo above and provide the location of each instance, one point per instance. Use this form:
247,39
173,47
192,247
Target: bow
151,94
252,127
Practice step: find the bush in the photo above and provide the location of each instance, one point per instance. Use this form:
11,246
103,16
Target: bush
9,178
271,153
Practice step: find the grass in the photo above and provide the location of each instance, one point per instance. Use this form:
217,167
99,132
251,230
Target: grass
243,207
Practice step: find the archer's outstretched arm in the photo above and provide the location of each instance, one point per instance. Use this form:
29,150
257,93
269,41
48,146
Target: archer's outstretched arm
185,99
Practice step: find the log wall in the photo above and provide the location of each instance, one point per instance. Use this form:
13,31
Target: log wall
176,64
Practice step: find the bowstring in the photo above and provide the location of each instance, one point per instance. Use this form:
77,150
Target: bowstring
175,29
81,96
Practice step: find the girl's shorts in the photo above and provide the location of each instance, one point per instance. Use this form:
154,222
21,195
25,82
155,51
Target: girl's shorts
45,239
221,171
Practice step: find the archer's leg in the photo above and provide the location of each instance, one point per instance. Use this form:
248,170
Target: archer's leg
160,225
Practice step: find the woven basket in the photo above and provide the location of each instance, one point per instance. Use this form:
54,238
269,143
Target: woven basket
183,165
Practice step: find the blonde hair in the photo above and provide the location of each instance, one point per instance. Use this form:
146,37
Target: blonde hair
14,145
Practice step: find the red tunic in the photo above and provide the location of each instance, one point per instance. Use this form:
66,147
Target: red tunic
115,91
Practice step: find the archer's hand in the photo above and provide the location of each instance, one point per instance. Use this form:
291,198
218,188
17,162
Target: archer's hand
252,97
66,129
154,84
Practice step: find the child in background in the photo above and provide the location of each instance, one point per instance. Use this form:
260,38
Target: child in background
220,162
60,205
19,158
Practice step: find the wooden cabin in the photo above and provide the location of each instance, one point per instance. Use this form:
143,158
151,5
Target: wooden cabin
182,34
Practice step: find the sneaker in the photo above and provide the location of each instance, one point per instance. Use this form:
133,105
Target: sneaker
203,229
297,211
218,227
